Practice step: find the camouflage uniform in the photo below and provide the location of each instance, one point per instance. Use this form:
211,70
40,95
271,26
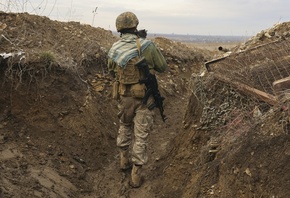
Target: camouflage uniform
133,115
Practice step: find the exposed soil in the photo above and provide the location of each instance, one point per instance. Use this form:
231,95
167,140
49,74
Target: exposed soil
58,122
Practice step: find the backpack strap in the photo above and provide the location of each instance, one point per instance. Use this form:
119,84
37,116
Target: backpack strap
138,46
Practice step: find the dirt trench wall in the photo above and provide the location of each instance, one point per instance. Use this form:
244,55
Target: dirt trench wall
252,152
253,167
57,121
60,102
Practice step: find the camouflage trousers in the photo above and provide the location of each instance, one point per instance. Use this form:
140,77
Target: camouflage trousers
136,122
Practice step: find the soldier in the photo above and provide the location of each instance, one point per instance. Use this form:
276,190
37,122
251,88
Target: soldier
135,117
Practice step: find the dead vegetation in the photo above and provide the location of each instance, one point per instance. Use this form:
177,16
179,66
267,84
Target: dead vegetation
235,107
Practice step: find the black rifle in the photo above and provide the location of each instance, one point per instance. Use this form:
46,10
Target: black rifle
151,84
142,33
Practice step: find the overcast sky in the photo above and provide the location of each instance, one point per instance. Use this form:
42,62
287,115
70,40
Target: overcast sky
197,17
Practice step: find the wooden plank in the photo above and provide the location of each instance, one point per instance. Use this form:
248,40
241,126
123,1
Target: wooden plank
268,98
282,89
281,85
206,64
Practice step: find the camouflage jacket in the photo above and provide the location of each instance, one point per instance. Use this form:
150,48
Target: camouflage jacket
151,53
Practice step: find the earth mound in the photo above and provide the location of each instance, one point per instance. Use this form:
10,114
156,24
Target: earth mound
236,137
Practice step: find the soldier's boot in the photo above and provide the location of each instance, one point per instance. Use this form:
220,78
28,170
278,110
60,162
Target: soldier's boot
124,159
136,178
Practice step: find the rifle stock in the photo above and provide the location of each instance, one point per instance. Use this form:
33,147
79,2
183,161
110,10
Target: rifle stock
142,33
151,84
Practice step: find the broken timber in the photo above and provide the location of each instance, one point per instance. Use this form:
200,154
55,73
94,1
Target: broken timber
268,98
263,96
282,88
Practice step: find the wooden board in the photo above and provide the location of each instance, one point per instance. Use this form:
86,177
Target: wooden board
268,98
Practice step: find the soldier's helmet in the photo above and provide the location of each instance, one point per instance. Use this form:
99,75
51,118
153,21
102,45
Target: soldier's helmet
126,20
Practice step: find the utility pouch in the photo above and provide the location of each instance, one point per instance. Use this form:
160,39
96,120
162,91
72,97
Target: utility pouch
129,74
122,89
115,91
138,90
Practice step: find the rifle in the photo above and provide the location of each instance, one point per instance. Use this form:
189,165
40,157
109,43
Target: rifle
142,33
151,84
